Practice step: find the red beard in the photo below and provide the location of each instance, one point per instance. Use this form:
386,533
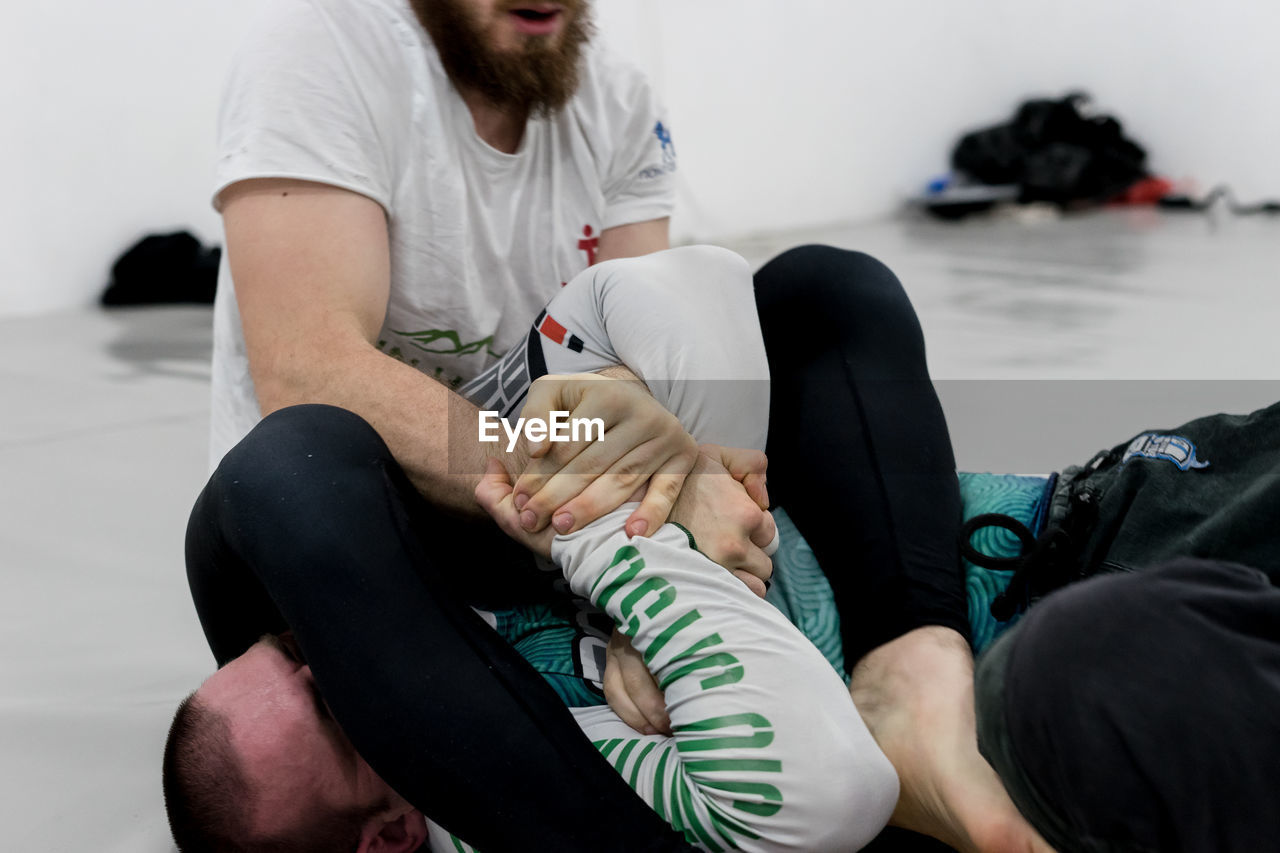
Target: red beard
539,78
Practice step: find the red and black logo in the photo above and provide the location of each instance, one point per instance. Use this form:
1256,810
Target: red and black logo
547,325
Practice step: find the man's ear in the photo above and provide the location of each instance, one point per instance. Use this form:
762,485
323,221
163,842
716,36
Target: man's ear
399,834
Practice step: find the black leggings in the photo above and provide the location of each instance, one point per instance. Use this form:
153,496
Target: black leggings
859,453
309,523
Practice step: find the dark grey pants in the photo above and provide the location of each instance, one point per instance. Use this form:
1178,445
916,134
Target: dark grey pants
1139,710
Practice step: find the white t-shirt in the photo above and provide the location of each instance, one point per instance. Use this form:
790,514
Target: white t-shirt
351,93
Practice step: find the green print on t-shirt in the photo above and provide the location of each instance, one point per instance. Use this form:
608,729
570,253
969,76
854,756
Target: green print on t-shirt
437,374
446,342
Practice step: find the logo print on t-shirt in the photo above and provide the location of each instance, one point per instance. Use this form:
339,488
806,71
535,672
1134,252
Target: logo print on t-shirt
1171,448
668,147
547,325
589,244
446,342
648,173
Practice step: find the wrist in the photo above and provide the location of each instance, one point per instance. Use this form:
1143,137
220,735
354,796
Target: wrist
515,460
621,371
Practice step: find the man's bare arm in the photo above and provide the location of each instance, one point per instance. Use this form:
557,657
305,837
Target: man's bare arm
638,238
311,267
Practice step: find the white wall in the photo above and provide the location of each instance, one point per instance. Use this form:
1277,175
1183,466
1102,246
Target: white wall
813,111
785,114
108,113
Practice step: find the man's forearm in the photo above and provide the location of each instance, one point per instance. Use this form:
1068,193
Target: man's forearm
431,430
311,265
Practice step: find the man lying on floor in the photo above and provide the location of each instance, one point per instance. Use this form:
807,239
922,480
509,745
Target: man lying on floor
1019,707
767,750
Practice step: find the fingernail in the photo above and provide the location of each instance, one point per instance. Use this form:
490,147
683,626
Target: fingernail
639,528
521,500
528,519
562,522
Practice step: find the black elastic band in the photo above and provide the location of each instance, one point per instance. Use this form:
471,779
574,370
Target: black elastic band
994,519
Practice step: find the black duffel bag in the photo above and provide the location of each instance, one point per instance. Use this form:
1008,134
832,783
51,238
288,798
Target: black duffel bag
1054,152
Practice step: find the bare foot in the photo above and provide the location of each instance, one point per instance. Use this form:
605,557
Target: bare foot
916,695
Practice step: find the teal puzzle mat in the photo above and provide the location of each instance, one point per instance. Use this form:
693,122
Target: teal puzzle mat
547,637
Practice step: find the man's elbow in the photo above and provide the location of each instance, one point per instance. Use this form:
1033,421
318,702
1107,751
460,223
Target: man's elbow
851,793
291,374
278,385
863,795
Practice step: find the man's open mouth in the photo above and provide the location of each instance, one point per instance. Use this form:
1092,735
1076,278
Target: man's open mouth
530,14
538,19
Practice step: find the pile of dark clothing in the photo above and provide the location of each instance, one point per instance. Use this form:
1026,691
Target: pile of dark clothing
1054,151
164,269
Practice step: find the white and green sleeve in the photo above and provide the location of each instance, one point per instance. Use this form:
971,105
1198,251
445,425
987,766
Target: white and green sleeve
768,751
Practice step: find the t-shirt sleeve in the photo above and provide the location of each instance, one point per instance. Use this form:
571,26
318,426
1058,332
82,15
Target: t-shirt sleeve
313,97
639,182
768,751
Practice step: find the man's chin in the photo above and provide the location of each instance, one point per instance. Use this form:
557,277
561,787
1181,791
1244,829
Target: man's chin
521,63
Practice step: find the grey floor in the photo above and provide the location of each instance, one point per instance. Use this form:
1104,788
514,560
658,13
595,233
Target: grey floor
1049,341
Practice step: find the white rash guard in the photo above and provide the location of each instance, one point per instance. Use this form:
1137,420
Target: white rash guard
768,751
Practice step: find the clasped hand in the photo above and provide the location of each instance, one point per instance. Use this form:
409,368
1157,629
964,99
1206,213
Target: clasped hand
717,493
645,455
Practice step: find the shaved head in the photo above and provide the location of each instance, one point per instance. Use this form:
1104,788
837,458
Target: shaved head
254,764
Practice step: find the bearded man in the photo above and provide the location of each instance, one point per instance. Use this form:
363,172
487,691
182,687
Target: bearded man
403,185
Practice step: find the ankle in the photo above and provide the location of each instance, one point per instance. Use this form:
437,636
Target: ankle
915,694
923,673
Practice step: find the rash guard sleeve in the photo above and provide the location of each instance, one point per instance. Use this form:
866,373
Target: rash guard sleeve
768,751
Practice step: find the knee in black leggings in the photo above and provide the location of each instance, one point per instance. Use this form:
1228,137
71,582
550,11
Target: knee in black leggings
274,491
860,455
297,471
836,294
274,453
